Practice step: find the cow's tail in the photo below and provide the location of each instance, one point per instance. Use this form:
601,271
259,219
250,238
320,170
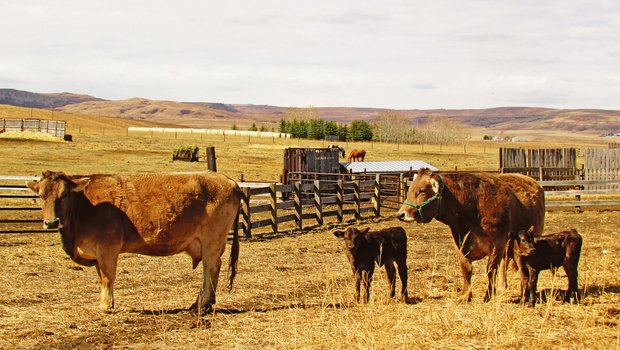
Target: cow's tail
234,250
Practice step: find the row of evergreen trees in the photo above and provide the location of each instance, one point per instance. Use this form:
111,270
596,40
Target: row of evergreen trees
317,129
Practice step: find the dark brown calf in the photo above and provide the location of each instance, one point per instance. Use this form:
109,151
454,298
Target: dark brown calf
383,247
534,254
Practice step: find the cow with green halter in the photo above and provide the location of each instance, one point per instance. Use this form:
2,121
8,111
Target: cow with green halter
481,210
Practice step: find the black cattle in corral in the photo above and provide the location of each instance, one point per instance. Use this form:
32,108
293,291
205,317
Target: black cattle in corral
340,149
364,249
534,254
189,154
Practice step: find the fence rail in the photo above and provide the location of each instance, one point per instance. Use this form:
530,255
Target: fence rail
311,202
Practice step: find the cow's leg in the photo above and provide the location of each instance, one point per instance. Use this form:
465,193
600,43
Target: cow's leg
367,280
533,281
106,269
466,269
402,272
492,267
573,288
358,281
390,271
525,278
206,297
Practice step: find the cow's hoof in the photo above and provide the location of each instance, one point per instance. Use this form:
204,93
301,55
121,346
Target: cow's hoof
206,309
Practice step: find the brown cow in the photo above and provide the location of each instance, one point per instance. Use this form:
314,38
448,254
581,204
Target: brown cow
480,209
534,254
356,155
101,216
383,247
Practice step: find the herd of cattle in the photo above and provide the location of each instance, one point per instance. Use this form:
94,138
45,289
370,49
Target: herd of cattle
496,216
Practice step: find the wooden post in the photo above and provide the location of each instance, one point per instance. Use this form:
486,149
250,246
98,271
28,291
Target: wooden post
402,188
318,205
298,204
211,160
377,196
357,199
540,173
274,207
340,200
245,212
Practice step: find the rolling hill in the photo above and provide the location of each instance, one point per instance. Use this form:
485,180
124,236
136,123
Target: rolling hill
523,121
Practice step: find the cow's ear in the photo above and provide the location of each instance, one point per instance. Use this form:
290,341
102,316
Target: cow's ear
33,185
80,185
339,234
435,185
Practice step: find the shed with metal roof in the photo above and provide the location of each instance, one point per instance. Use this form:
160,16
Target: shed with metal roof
386,167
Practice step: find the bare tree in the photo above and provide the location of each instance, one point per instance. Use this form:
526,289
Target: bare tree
392,126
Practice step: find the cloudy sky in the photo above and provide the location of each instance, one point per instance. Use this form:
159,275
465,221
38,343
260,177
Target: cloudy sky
388,54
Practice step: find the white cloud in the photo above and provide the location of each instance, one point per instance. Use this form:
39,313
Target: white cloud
398,54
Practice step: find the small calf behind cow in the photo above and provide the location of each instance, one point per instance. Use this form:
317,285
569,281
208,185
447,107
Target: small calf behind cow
384,247
534,254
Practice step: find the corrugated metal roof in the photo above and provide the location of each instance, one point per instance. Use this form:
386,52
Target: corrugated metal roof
393,166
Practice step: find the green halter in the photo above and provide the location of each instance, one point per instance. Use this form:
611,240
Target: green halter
437,197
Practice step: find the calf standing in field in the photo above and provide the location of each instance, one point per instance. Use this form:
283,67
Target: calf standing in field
383,247
534,254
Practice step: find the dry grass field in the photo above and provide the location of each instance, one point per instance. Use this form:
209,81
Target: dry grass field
294,291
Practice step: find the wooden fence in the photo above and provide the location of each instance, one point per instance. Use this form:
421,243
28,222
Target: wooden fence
53,127
313,201
602,164
541,164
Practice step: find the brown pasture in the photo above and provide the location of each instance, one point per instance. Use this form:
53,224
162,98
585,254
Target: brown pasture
292,291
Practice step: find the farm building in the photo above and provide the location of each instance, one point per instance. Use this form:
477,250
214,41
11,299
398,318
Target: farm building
386,167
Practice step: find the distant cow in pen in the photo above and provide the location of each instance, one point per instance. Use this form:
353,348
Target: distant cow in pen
384,247
534,254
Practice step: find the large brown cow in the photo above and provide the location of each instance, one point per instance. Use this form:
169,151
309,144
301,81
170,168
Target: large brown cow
481,210
101,216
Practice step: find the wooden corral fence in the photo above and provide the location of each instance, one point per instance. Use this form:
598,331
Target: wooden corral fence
602,164
613,145
312,201
53,127
19,212
542,164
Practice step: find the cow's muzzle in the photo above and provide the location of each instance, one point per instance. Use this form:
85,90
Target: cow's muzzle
51,224
403,216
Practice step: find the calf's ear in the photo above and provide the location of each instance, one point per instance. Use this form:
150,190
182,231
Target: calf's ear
531,230
364,231
512,235
339,234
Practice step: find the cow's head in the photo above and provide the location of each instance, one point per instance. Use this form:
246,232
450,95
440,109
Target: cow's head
54,190
352,237
423,198
524,242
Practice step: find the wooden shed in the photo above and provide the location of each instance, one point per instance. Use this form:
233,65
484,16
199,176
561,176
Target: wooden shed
310,161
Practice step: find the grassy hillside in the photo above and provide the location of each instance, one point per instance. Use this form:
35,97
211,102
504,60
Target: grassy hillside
533,123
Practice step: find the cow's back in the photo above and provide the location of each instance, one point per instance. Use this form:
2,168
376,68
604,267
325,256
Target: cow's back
532,199
159,203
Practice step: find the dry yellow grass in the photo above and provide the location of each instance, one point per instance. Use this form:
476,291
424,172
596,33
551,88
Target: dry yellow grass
297,292
293,292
